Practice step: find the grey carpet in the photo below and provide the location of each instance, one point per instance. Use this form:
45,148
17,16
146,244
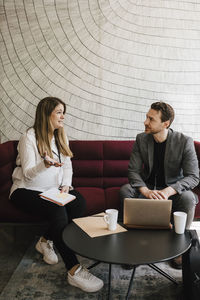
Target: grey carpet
33,279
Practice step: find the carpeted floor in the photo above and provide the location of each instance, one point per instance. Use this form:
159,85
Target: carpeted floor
33,279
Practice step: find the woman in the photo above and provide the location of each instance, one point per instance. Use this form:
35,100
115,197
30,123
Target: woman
44,162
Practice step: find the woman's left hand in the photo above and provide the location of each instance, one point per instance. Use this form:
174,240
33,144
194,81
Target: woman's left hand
64,189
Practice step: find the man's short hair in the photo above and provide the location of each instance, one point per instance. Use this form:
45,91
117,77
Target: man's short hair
167,112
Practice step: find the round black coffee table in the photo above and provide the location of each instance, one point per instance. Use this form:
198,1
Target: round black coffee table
133,247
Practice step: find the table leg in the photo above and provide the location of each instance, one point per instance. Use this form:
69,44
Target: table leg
94,265
130,283
109,281
162,273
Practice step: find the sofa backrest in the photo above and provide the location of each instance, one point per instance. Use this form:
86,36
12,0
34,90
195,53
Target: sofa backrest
95,163
8,154
100,163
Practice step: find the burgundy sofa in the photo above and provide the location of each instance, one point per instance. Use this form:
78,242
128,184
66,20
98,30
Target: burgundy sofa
100,169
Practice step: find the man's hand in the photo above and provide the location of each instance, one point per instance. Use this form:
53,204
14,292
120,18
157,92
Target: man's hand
169,191
163,194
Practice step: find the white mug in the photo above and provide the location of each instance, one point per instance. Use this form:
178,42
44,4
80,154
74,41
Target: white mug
111,218
180,218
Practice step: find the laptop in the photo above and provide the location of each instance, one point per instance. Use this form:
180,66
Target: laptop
147,213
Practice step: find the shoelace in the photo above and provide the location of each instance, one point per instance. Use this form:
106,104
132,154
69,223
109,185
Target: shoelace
50,245
84,273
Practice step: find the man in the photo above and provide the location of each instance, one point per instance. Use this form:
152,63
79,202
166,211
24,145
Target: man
163,164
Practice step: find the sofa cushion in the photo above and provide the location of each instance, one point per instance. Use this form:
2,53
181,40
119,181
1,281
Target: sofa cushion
95,199
115,173
100,169
87,163
10,213
8,152
117,150
115,164
87,150
112,197
87,173
100,163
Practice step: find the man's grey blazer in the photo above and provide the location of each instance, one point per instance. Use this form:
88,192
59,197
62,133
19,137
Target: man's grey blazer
180,162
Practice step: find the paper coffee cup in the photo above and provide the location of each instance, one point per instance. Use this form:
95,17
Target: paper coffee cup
180,218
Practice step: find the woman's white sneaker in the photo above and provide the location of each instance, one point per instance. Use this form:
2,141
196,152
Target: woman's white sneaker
46,248
84,280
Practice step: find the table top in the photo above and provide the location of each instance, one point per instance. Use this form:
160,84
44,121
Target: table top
135,246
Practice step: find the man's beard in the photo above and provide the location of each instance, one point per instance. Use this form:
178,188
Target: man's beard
150,131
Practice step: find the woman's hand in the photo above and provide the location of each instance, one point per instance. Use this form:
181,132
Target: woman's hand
64,189
48,161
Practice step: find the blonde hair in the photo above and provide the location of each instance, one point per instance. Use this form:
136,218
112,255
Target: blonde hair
43,128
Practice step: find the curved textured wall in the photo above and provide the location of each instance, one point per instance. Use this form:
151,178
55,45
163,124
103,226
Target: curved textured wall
107,59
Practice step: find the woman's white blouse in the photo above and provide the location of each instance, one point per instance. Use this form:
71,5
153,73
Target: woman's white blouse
30,171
